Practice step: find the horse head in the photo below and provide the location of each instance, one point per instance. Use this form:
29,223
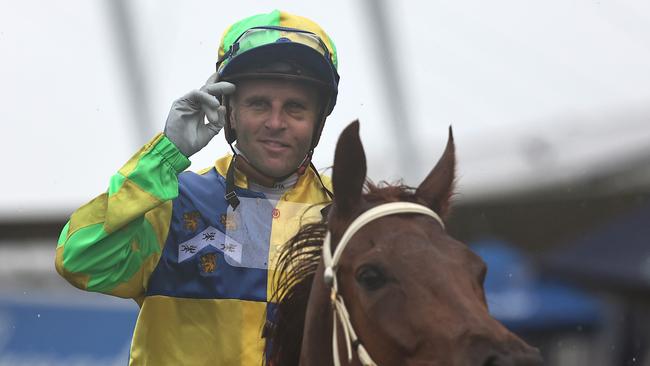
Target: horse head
414,294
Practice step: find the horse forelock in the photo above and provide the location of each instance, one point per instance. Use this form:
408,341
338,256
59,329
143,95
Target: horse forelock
387,192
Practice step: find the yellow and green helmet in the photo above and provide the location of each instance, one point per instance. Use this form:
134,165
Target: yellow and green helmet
280,45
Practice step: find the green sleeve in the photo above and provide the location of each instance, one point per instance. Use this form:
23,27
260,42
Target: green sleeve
113,243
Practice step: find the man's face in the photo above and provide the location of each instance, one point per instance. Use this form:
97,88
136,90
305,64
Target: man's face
274,121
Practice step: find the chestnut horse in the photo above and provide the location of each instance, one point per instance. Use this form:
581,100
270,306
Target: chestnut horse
403,292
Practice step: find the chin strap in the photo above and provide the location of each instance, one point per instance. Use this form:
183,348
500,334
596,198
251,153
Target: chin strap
252,173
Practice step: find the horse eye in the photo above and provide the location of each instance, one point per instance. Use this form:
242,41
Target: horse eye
370,278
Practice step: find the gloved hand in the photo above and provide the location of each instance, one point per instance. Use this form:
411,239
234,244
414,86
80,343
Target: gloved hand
185,125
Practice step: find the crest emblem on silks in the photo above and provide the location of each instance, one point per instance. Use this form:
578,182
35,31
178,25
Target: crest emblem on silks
191,220
229,222
208,262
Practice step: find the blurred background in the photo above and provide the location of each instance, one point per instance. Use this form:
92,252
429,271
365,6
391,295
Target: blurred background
549,102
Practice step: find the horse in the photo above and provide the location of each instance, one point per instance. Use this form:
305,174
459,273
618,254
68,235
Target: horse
400,292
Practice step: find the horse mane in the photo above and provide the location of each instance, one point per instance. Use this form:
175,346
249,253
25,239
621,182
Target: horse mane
297,263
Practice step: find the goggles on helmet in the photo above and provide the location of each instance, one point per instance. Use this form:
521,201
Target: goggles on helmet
266,35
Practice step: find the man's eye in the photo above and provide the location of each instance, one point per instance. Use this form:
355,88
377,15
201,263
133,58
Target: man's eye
295,107
258,104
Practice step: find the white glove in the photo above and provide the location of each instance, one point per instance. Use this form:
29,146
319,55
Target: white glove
186,126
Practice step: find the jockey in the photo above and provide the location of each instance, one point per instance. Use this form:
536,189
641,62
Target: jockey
197,251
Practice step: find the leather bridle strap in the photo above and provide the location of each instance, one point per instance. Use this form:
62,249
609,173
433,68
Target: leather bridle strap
331,262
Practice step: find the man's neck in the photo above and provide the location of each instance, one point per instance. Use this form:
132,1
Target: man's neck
276,192
258,179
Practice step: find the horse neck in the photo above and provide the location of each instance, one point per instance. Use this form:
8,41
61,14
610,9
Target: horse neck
316,347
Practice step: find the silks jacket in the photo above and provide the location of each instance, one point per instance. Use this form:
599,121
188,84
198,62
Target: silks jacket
200,272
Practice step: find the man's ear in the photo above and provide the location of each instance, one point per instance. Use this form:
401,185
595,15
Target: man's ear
230,101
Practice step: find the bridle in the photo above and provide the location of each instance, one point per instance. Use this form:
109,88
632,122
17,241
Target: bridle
331,262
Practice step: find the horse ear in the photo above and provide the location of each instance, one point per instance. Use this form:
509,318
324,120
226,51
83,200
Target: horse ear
438,187
349,172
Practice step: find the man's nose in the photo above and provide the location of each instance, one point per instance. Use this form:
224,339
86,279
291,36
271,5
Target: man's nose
275,120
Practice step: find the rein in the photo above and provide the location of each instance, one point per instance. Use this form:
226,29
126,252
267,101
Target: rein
331,262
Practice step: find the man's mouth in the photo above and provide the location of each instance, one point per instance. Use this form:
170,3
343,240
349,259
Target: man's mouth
274,144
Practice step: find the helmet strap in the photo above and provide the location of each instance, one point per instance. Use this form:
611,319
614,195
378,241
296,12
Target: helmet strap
305,163
321,124
229,133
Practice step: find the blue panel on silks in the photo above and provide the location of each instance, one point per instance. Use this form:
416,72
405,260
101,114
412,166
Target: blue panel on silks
226,258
